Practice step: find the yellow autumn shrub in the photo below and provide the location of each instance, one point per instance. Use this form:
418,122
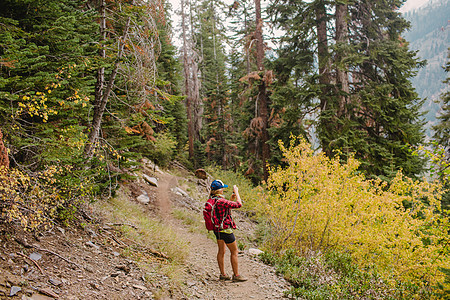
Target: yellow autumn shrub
316,203
33,201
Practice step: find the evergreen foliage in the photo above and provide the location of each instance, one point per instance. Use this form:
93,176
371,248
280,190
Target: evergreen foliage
442,140
378,116
48,76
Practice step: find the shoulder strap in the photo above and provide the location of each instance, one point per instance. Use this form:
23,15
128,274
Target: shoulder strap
217,198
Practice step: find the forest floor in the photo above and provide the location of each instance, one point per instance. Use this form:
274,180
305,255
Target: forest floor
99,261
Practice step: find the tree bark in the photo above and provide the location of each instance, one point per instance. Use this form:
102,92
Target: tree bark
322,51
196,100
186,70
100,107
262,95
4,159
342,82
324,65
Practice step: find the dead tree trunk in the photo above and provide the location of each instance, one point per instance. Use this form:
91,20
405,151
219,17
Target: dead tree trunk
196,100
99,108
187,76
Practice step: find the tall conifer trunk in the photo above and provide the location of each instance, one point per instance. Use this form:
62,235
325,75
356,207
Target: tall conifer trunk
187,82
196,100
262,95
342,82
324,66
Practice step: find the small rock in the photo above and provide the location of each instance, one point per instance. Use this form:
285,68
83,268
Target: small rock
92,232
61,230
89,269
35,256
14,290
48,292
91,244
124,268
144,199
151,180
180,192
55,281
116,253
254,251
139,287
94,285
190,283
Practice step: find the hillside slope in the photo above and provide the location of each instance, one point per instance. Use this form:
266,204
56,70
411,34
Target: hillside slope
103,259
430,36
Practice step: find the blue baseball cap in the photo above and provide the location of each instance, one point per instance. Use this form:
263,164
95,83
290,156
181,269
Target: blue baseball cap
217,185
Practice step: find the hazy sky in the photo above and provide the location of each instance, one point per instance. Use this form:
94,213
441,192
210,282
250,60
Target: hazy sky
412,4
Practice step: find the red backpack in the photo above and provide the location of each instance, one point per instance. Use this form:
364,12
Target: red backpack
212,222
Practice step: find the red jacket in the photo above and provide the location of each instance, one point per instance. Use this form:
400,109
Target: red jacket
223,207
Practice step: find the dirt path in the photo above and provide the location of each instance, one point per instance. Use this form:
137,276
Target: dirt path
202,266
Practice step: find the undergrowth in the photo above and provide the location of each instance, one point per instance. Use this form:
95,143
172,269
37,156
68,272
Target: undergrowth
191,219
333,275
148,232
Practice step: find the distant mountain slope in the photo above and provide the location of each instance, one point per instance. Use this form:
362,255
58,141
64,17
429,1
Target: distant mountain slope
430,35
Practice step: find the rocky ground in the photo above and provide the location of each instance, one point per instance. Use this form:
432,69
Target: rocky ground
87,262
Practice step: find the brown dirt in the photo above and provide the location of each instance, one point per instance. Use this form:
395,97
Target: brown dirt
87,263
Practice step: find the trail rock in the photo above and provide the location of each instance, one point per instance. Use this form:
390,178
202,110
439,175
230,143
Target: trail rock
150,180
254,251
124,268
139,287
55,281
151,165
35,256
144,199
180,192
14,290
91,244
48,292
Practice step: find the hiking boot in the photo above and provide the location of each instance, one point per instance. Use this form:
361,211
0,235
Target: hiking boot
239,278
224,277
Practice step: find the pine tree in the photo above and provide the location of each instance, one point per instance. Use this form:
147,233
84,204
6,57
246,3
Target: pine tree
214,83
442,129
45,76
366,104
442,139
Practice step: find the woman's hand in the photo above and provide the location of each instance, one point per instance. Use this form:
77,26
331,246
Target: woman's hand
236,194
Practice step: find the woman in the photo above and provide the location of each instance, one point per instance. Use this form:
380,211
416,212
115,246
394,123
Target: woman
225,236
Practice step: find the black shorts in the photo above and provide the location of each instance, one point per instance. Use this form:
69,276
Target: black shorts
228,238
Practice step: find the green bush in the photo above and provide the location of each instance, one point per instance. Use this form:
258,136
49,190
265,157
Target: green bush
163,149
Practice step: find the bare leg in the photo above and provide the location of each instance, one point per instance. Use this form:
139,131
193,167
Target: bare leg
220,256
234,257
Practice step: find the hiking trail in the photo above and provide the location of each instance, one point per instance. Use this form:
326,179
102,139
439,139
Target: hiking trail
202,266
